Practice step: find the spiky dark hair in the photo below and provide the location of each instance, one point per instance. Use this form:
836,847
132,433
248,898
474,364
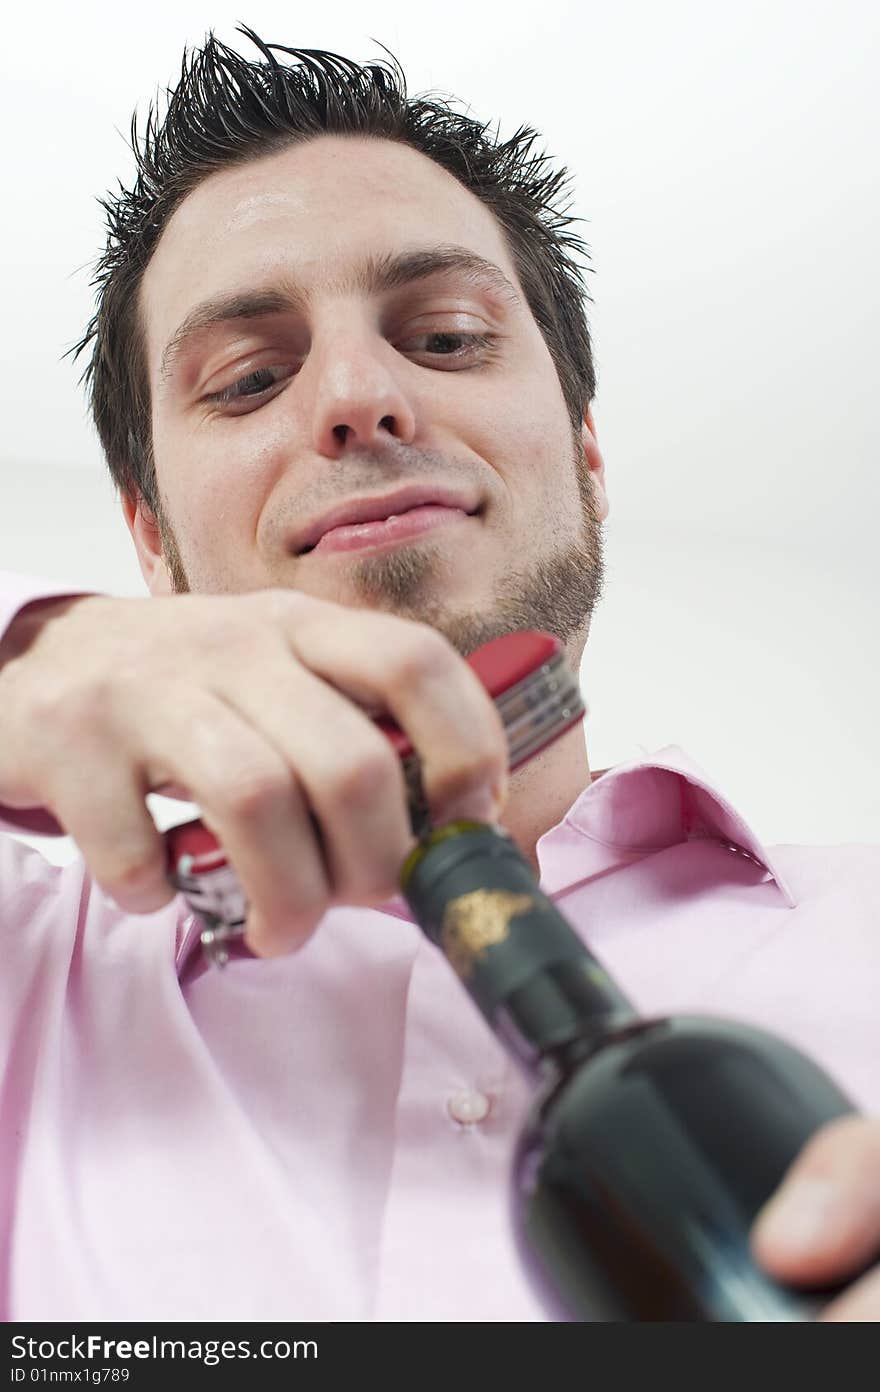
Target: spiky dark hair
226,111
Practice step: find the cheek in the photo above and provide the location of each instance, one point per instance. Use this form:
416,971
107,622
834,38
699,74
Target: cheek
213,477
535,460
528,433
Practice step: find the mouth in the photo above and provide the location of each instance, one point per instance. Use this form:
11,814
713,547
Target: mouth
397,528
385,521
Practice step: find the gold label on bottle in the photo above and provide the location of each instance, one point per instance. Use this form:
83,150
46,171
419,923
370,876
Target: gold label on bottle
476,921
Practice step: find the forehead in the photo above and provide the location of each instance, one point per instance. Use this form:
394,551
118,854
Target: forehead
308,213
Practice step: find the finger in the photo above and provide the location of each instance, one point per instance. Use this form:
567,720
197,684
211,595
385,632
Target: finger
250,798
413,672
824,1221
348,772
860,1303
105,813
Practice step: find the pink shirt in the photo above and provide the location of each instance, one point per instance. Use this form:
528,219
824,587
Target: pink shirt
278,1141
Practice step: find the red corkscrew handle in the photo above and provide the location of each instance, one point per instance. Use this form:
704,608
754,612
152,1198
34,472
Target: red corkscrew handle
500,664
536,695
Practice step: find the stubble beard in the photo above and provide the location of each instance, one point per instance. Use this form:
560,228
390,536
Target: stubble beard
558,595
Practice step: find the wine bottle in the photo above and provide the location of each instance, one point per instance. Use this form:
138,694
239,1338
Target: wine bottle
651,1144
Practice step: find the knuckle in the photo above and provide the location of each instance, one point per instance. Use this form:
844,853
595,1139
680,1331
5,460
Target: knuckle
90,701
230,629
423,655
360,780
253,792
70,706
285,605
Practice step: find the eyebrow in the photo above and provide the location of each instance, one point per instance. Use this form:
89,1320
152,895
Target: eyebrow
372,276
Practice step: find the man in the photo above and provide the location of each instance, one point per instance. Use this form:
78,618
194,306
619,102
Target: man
343,379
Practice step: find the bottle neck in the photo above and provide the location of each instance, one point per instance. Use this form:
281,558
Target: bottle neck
538,986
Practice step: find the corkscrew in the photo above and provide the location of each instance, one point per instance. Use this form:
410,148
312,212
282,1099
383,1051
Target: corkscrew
538,699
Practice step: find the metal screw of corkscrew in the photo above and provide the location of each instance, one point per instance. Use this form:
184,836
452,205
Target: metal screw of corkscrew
219,903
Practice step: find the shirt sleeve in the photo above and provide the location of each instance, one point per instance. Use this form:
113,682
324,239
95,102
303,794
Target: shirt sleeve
17,592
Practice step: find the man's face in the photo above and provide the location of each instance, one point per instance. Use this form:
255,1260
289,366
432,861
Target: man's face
346,392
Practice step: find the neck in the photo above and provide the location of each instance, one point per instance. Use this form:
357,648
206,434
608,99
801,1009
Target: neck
542,791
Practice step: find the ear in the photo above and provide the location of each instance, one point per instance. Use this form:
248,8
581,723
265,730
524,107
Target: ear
148,544
595,463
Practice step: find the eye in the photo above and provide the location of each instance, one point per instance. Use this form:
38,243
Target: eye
253,384
260,385
475,342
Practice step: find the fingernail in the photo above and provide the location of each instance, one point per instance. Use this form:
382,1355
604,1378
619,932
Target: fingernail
800,1217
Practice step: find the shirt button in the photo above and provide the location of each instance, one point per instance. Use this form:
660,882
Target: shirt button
468,1107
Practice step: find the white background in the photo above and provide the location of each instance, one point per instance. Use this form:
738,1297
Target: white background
725,159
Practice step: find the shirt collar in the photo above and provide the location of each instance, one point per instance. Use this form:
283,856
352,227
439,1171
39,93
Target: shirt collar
645,805
631,810
626,813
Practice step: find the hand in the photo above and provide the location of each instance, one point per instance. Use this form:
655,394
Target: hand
254,707
833,1227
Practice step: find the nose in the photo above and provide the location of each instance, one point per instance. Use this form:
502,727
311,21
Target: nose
359,397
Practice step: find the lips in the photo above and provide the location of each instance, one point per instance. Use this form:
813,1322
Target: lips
393,530
358,511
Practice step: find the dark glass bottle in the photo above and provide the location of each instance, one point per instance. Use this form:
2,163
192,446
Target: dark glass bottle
652,1143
